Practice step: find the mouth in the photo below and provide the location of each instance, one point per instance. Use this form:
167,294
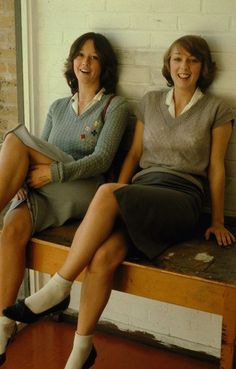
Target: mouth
85,71
183,75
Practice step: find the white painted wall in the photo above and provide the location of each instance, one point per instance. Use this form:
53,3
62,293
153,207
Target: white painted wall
140,31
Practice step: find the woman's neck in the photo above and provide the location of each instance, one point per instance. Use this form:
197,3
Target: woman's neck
181,99
85,95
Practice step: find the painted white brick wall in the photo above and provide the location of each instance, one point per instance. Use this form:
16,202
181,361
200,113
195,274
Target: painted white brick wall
140,31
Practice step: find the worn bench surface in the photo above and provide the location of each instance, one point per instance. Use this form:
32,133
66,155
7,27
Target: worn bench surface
195,257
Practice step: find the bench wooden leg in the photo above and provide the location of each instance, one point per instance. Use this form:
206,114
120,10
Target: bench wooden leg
228,332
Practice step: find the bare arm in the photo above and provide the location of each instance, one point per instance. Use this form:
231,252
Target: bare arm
39,175
216,175
132,159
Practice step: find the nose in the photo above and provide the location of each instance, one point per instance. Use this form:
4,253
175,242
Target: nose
185,65
85,60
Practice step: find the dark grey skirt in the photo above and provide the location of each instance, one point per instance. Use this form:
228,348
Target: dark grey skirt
159,210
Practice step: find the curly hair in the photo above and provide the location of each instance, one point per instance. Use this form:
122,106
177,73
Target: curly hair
199,48
108,60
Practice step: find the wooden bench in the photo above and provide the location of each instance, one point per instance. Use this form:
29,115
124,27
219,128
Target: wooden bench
195,274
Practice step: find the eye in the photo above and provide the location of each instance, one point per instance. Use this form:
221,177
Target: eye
176,59
94,57
194,60
79,55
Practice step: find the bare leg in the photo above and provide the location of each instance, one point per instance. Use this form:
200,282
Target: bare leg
95,293
105,250
97,284
15,235
14,238
15,159
95,229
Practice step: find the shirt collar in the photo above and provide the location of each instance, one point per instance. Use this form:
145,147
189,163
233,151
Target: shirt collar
170,100
97,97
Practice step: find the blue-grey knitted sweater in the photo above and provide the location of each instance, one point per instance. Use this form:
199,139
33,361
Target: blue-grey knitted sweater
90,142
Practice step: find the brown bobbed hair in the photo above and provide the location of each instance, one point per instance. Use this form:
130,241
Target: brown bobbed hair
198,47
107,57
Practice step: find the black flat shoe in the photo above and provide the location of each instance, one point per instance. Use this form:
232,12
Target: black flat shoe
21,313
3,356
91,359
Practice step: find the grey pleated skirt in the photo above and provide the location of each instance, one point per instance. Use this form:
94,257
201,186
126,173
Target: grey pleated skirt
159,210
55,203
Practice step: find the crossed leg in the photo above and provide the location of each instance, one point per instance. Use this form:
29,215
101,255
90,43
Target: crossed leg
98,280
95,293
15,160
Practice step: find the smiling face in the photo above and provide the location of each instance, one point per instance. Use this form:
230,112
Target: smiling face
87,66
185,69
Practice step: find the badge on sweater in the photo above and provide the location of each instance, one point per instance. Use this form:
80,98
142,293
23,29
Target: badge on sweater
90,130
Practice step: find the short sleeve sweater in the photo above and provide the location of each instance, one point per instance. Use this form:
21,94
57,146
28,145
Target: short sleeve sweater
91,142
179,145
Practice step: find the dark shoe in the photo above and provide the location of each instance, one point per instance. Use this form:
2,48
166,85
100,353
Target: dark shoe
21,313
91,359
3,356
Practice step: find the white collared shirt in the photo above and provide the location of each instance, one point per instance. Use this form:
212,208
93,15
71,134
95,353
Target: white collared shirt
171,103
75,101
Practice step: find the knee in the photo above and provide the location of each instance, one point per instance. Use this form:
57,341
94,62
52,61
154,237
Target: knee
11,139
15,233
105,190
104,197
105,261
13,142
105,194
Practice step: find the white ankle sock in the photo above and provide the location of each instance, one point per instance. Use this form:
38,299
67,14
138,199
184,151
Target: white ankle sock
55,291
80,352
7,327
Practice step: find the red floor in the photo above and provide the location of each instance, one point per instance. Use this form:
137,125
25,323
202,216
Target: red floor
47,344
